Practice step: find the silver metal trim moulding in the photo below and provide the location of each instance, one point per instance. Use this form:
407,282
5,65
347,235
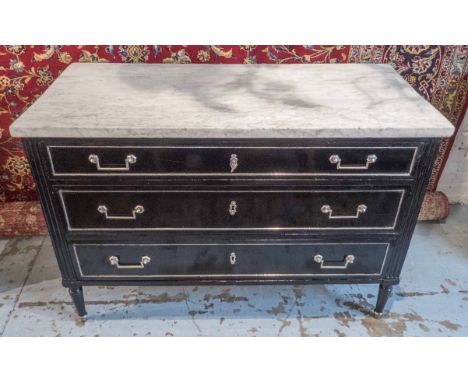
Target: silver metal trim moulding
61,192
230,275
238,174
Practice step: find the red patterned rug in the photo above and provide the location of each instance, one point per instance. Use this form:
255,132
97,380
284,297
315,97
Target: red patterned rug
21,219
439,73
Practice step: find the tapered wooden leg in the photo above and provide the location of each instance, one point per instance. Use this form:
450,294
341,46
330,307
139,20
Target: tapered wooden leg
385,291
78,299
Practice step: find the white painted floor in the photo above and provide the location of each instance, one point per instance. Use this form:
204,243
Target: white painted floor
431,300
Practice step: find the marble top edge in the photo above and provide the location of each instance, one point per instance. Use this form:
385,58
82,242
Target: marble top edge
235,133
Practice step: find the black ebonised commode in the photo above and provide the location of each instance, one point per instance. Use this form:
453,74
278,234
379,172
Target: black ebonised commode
238,210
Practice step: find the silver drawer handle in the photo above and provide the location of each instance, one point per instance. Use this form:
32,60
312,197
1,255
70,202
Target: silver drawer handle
348,260
136,210
233,162
115,261
233,208
232,258
335,159
326,209
130,159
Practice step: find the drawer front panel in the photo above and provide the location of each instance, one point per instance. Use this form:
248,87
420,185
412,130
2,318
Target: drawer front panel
231,210
230,161
228,260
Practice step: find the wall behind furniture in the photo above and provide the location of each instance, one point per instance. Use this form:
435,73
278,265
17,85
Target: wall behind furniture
454,179
438,73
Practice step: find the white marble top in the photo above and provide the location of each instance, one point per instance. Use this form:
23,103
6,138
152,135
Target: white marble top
231,101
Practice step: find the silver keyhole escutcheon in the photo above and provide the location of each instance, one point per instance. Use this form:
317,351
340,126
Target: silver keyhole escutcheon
233,162
232,258
232,208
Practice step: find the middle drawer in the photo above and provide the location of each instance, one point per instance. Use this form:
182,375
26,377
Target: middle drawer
231,210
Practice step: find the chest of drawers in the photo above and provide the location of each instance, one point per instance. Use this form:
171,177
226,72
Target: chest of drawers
236,195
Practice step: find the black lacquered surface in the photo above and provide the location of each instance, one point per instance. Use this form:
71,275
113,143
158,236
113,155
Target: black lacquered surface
212,160
205,210
186,187
230,260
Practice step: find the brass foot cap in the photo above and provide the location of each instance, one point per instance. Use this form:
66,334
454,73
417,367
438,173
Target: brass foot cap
377,314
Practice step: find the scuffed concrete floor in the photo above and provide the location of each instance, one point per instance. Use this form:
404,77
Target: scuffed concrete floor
431,300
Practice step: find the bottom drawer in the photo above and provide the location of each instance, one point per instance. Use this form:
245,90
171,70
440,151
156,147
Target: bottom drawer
182,261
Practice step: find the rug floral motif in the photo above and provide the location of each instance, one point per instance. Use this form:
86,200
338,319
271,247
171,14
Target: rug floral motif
439,73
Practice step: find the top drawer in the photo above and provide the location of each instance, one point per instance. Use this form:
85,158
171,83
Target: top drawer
230,161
